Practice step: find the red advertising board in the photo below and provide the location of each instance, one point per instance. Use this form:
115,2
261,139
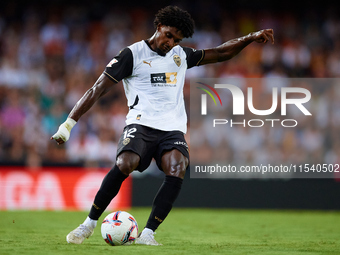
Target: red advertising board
53,188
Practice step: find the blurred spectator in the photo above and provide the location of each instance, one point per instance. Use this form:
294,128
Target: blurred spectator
54,34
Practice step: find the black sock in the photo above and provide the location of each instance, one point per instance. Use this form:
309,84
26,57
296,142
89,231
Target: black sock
108,190
164,200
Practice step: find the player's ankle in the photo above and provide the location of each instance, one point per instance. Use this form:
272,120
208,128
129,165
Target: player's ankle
147,231
90,222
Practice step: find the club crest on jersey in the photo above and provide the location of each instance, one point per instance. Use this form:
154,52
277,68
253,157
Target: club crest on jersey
177,60
126,141
113,61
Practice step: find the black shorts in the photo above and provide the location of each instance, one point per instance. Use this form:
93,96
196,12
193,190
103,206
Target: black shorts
151,143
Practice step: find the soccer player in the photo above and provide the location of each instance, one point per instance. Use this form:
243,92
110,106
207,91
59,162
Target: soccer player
153,74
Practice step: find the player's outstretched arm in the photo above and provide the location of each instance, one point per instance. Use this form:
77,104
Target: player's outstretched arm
100,88
232,47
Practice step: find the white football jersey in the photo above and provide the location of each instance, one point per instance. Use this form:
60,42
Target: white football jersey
153,84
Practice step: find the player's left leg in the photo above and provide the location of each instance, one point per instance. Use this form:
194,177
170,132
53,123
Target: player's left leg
174,165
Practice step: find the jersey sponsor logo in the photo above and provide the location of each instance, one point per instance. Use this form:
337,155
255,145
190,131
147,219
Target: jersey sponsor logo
163,79
113,61
148,63
158,78
177,60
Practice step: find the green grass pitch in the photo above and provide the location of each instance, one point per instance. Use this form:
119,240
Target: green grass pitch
185,231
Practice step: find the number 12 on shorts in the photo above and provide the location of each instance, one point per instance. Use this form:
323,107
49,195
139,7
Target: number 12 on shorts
128,133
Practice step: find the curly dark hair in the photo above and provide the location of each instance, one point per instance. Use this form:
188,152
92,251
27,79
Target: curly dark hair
174,16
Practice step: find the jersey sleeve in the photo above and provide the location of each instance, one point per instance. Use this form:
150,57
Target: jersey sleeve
120,66
194,57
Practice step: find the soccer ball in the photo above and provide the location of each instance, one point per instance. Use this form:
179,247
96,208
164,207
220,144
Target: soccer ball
119,228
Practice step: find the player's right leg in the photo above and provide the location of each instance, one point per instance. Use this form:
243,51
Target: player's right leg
78,235
126,162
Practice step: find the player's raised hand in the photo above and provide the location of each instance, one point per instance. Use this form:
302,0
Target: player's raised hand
64,131
263,36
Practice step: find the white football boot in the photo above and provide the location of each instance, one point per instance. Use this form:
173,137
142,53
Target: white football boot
147,238
78,235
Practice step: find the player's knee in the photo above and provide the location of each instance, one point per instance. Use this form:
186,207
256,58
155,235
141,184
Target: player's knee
175,164
127,162
177,170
